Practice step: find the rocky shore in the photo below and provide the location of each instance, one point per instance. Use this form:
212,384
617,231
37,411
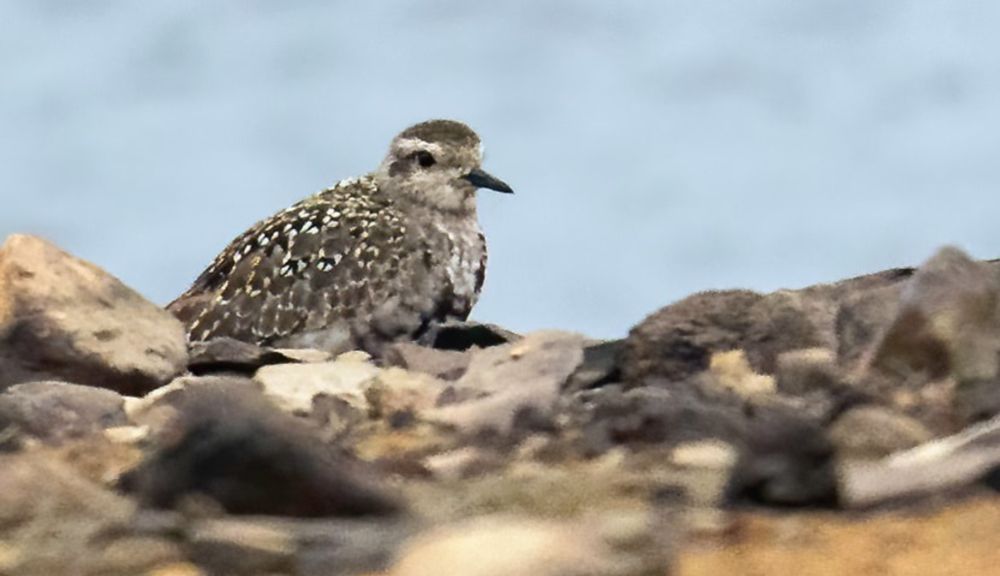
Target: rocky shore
849,427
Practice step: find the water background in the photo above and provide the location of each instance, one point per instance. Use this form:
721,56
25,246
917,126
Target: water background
657,148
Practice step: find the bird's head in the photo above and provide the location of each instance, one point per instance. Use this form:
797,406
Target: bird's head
437,164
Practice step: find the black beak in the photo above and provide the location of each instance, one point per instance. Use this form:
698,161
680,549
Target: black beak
481,179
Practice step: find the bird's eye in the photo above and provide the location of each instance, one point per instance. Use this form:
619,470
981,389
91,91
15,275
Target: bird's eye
424,158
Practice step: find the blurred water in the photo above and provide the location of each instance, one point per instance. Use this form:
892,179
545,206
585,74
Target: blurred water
657,148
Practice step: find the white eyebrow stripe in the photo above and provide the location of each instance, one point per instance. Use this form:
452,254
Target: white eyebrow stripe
414,144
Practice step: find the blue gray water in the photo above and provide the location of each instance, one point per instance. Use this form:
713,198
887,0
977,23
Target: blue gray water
657,148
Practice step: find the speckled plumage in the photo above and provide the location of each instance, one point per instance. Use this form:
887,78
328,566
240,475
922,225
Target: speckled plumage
370,260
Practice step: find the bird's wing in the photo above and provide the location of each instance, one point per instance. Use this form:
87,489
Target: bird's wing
301,269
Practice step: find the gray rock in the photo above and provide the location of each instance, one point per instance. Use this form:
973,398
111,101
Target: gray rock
509,381
947,322
801,372
233,446
601,365
939,467
861,320
870,432
57,410
53,521
230,355
457,335
62,318
293,387
657,415
444,364
786,460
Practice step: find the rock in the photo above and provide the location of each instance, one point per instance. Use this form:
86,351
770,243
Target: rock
801,372
869,432
444,364
947,322
465,335
395,391
159,408
707,464
303,547
239,547
786,460
975,400
861,320
294,386
498,545
678,341
57,411
232,445
601,365
939,467
62,318
510,380
731,371
652,415
52,521
230,355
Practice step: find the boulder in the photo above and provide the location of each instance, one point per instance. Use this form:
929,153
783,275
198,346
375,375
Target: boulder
62,318
57,410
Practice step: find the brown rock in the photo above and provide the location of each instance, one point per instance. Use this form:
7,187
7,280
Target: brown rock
678,341
63,318
57,410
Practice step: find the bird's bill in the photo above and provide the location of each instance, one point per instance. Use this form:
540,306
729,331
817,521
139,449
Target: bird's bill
482,179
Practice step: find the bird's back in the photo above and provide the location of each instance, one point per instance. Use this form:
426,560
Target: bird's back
346,266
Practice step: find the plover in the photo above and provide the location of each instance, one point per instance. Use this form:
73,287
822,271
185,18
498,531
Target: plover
371,260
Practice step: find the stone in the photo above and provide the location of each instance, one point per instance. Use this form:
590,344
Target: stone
444,364
294,386
871,432
62,318
57,411
940,467
394,391
159,408
511,379
491,546
804,371
861,320
53,521
731,371
601,365
465,335
947,322
233,446
655,415
230,355
240,547
679,340
785,460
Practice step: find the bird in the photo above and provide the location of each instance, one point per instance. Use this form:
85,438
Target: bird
369,261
